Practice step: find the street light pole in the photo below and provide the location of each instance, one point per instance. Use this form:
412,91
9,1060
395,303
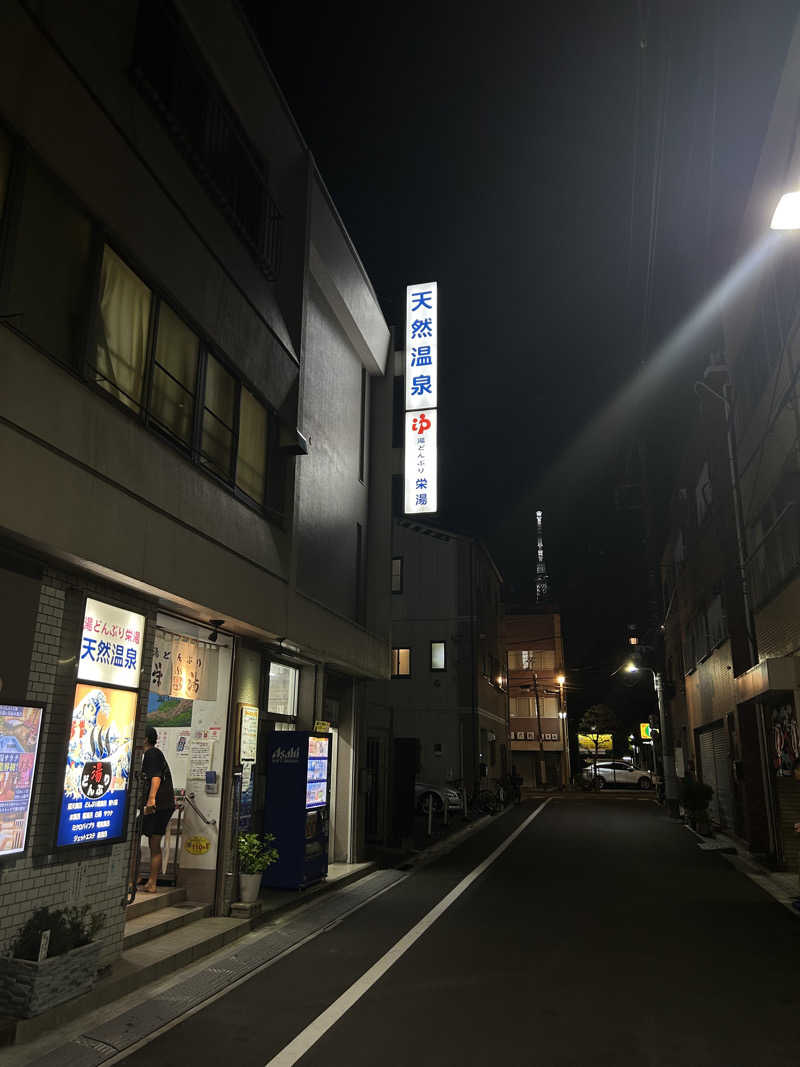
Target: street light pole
540,767
667,750
562,713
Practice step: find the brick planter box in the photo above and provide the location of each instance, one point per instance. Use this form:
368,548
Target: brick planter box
28,988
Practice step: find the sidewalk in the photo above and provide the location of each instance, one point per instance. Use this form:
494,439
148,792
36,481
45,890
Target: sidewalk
90,1030
782,886
99,1035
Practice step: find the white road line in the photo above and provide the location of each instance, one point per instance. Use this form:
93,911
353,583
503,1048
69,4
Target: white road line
320,1026
148,1038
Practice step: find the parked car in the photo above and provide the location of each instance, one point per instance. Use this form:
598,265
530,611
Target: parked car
423,790
613,773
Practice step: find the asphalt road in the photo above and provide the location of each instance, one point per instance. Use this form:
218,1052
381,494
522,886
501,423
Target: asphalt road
601,935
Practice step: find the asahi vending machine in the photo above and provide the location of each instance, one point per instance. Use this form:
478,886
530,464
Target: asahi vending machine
296,812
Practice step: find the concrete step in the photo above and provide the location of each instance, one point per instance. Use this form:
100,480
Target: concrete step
154,959
163,921
146,903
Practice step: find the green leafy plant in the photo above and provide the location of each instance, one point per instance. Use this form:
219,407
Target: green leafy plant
69,928
256,852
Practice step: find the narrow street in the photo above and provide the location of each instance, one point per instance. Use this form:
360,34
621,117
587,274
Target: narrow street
602,935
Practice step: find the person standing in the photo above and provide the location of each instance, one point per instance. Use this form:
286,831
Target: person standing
160,802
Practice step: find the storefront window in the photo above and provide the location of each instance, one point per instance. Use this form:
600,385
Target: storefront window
282,696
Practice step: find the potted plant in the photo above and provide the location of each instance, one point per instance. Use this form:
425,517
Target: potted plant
694,799
43,971
255,855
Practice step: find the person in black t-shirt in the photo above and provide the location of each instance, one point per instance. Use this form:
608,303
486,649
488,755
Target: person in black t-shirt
160,802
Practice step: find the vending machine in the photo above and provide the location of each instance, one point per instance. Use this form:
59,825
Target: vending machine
296,810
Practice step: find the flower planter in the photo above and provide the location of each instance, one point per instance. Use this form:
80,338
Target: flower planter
28,988
249,887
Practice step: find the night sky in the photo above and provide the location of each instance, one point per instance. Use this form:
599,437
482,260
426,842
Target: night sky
572,175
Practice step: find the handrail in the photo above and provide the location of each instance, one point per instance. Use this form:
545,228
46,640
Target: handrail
189,798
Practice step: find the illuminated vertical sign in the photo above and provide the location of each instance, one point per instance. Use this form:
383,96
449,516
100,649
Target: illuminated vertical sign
422,398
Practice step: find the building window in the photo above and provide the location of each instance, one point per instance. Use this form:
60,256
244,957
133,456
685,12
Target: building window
251,458
401,662
123,331
397,574
48,290
176,82
282,692
174,381
529,660
219,412
703,494
438,662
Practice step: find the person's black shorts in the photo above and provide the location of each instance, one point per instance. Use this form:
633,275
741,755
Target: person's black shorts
156,823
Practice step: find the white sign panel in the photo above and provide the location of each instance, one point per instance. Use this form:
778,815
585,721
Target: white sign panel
111,645
420,466
421,347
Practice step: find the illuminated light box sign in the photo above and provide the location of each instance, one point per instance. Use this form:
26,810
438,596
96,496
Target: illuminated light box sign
20,730
111,645
420,461
421,398
97,775
421,347
645,731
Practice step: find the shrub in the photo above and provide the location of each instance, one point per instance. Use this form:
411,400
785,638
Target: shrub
255,853
69,928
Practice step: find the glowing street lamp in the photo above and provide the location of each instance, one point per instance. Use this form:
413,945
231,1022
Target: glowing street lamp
787,213
667,755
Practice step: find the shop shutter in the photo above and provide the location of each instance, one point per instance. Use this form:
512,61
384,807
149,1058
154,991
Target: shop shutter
708,770
722,762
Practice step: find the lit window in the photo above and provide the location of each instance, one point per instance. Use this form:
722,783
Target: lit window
397,574
123,331
174,375
218,416
282,694
633,640
401,662
438,656
251,460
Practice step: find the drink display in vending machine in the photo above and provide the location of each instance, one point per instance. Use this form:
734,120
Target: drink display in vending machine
297,811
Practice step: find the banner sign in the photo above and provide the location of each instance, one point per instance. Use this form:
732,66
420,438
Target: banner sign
111,646
20,729
604,742
421,398
96,778
183,668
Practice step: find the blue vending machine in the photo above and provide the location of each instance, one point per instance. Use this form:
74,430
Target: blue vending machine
296,809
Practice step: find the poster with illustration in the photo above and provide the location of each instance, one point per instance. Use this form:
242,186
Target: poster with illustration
20,728
168,711
97,773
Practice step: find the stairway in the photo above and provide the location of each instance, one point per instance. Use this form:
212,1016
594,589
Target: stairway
154,914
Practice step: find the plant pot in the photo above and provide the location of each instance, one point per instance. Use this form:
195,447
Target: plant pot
28,988
249,887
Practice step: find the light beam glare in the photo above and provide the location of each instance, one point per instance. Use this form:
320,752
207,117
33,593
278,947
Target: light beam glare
593,442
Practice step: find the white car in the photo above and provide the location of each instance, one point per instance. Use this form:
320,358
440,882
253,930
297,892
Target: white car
613,773
423,790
